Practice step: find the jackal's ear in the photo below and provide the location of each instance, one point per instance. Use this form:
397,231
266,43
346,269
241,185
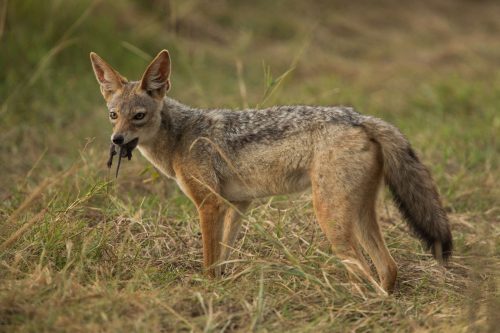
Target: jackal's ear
109,79
156,78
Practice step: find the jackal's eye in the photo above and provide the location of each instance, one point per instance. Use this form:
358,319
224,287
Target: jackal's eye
139,116
113,115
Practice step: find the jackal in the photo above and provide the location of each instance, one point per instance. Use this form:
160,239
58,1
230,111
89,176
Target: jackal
222,159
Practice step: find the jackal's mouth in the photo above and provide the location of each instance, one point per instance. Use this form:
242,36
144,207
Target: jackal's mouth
125,150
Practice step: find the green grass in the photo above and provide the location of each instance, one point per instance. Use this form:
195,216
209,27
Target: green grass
81,251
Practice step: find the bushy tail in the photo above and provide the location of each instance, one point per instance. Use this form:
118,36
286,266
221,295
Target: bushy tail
412,188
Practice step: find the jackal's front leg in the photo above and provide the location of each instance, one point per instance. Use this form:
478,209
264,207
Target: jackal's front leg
212,223
232,224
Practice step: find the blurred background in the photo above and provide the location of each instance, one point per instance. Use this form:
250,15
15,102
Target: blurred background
429,67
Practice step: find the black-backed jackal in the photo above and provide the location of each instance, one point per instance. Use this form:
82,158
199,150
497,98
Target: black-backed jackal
222,159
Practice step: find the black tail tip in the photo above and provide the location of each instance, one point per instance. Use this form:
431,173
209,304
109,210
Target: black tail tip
442,250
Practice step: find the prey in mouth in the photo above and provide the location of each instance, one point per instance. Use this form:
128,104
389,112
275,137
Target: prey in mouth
124,150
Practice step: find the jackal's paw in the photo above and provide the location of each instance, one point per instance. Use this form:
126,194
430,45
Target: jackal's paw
358,273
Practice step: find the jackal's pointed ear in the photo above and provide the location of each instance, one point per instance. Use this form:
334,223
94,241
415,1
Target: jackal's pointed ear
109,79
156,78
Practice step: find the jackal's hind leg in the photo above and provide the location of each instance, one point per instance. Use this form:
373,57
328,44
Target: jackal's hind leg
370,237
340,180
367,229
338,225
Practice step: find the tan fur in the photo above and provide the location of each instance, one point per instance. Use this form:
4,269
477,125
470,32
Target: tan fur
222,159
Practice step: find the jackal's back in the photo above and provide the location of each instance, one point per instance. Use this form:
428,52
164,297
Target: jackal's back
258,153
266,126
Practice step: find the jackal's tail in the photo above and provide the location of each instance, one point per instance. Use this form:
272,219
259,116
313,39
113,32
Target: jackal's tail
412,188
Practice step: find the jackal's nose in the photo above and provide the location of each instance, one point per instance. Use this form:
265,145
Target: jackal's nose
117,139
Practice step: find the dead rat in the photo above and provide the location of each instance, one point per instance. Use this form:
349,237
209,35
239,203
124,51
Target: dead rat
124,151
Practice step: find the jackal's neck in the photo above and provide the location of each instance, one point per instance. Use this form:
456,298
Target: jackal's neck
163,147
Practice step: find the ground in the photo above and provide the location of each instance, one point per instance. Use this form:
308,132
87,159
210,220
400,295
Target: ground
82,251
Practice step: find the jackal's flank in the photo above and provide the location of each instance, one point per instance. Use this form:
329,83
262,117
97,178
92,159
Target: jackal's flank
222,159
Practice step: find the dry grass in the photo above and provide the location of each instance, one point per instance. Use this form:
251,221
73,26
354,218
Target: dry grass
81,251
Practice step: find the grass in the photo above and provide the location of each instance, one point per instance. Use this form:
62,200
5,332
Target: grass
81,251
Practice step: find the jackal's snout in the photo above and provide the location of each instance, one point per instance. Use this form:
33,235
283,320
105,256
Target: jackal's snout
124,139
117,139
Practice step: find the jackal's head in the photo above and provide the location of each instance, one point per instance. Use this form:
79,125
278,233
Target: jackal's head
134,107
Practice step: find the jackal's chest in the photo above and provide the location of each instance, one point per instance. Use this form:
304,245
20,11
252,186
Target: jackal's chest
161,163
